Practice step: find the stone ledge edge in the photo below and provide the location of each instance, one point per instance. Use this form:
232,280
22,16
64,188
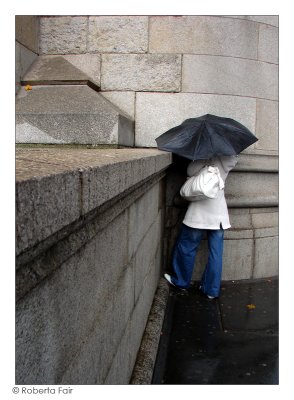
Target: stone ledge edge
146,358
158,163
35,264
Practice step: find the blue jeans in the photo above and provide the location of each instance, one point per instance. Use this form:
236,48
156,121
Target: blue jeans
184,259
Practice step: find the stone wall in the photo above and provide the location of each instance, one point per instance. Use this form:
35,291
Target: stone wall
90,223
26,45
161,70
89,257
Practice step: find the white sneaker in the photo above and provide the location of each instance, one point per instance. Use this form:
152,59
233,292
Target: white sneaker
168,278
209,297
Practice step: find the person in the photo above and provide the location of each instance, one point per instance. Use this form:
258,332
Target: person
208,216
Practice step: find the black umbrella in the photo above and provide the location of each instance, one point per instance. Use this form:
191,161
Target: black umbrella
205,137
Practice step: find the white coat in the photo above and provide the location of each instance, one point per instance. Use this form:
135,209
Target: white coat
210,213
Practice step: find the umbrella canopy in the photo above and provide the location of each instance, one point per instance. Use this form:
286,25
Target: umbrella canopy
206,137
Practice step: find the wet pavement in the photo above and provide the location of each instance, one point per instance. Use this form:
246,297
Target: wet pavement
230,340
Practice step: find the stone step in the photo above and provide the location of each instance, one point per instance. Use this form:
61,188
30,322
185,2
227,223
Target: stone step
70,114
63,108
58,70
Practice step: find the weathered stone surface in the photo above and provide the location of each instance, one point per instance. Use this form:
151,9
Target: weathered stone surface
88,63
123,361
118,374
28,167
148,72
244,189
69,114
63,325
226,75
146,252
156,112
146,206
72,159
130,343
144,367
267,124
263,19
104,305
265,219
257,163
144,302
268,45
63,35
238,259
27,31
106,332
123,100
118,34
54,68
239,218
78,67
27,58
17,67
24,58
91,177
266,262
204,35
103,183
47,199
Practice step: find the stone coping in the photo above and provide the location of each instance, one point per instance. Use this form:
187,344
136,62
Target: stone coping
56,187
51,161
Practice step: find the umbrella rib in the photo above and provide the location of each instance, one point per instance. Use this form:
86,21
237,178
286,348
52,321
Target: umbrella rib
198,140
211,145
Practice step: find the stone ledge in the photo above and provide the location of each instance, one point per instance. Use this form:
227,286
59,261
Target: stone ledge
35,264
73,67
56,187
66,114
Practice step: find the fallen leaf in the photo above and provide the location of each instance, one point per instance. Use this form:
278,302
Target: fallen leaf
28,87
251,306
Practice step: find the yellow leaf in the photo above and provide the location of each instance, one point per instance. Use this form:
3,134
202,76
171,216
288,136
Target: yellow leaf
28,87
250,306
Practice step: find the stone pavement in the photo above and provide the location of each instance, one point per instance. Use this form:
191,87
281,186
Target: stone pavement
231,340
